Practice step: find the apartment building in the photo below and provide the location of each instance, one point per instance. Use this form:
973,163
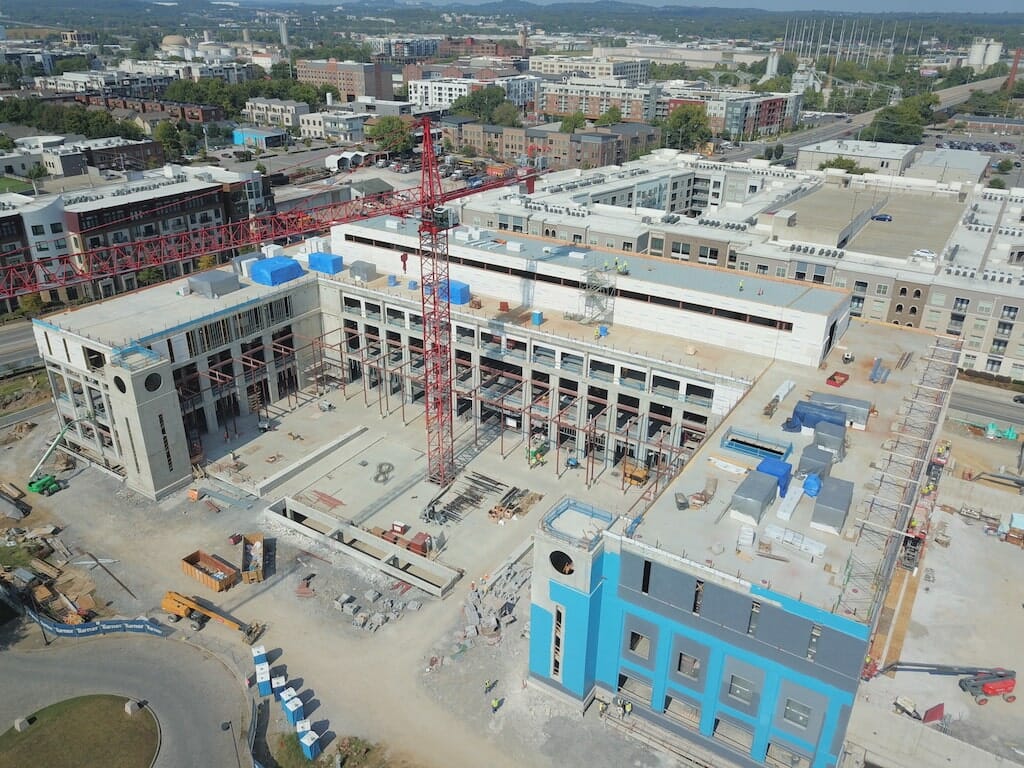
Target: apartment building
633,70
170,110
352,79
396,49
547,148
230,72
519,89
594,97
457,47
345,127
282,113
739,114
484,71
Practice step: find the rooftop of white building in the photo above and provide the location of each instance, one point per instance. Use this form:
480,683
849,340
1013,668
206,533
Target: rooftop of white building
854,148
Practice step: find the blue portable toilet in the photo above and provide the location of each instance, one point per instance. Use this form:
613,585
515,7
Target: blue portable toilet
455,292
286,694
602,330
310,742
537,318
327,263
278,684
293,710
413,285
263,679
259,654
392,281
783,470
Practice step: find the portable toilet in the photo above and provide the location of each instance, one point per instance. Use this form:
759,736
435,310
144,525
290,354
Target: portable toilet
293,710
310,742
263,679
259,654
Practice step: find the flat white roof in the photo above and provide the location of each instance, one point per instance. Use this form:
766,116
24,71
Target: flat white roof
855,148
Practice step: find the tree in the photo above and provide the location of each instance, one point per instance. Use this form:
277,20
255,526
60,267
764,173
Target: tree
1005,166
207,261
10,74
686,127
506,114
31,303
780,150
390,134
997,183
35,174
261,169
768,152
843,163
611,116
6,143
571,122
480,104
150,275
166,135
281,71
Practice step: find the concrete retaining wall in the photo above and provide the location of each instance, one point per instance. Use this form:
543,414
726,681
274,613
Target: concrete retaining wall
293,469
433,578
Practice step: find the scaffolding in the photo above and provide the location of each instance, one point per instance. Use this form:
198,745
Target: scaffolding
898,475
598,297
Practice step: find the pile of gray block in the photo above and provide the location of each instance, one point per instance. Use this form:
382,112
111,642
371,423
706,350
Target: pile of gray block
488,612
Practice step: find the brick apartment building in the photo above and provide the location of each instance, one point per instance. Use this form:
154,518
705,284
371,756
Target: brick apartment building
594,97
353,79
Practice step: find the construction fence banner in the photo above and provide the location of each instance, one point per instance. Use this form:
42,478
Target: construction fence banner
92,628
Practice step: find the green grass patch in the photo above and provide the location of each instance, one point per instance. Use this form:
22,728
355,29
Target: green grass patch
7,184
87,732
17,556
355,753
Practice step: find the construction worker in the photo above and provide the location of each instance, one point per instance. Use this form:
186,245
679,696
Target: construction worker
628,708
495,703
606,267
616,263
597,333
602,708
487,685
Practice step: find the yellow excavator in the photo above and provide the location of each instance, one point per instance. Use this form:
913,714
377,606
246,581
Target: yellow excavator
180,607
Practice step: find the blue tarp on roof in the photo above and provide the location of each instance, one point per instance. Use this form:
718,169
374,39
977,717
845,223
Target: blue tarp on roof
275,271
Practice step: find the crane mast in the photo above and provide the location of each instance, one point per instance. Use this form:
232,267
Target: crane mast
437,361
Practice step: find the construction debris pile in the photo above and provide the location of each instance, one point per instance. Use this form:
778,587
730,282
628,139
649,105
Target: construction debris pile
490,609
380,609
44,582
469,494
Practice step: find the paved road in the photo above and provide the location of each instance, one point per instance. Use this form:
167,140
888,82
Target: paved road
16,343
190,692
999,408
34,413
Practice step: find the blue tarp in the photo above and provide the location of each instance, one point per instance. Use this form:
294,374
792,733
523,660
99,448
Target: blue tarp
809,414
455,292
275,271
327,263
783,470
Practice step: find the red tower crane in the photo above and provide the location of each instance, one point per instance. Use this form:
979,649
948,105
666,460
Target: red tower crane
437,362
1012,79
23,272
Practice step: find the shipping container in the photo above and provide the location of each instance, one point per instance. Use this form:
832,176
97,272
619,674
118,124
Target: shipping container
252,558
210,570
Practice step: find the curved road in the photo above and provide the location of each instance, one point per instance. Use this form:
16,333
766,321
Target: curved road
189,691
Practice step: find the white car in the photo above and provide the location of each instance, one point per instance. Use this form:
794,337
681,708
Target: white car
925,253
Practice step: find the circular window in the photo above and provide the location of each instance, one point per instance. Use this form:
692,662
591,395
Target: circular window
561,562
153,382
119,383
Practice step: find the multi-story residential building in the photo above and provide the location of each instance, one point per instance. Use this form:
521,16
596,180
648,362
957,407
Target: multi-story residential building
75,37
120,154
484,71
634,70
403,49
338,126
378,107
594,97
878,157
70,158
547,148
739,114
283,113
170,110
171,200
455,47
951,260
693,55
352,79
519,89
231,71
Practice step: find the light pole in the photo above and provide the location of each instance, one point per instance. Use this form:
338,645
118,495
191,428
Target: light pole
228,725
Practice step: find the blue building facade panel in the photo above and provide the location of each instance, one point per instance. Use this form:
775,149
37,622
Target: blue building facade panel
764,681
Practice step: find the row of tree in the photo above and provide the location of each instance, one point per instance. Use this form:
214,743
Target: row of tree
53,118
232,96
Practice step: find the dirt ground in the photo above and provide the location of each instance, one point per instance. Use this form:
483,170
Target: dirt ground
354,683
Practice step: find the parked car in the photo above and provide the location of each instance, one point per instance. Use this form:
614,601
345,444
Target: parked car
925,253
1018,398
881,217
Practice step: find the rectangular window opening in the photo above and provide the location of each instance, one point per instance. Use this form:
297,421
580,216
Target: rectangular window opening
640,645
645,585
